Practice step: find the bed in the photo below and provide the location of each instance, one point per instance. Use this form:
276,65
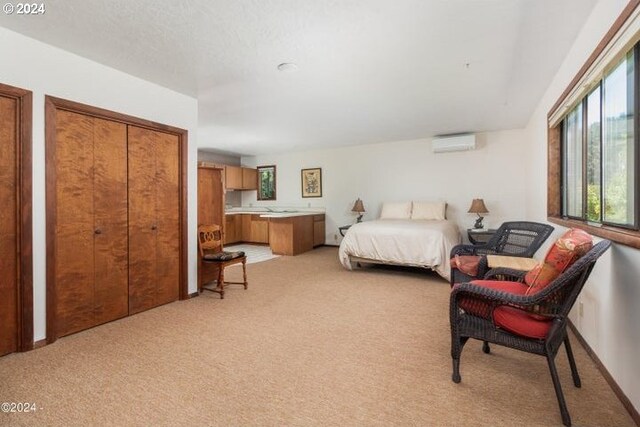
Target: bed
416,242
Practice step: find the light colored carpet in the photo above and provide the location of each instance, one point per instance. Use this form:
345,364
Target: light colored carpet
254,253
308,343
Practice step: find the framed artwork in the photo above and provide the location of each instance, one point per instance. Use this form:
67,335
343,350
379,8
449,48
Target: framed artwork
312,182
266,182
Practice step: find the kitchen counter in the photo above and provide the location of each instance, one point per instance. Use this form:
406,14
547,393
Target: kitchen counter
284,213
288,231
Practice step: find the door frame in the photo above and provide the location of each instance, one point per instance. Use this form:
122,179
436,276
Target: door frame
24,211
52,106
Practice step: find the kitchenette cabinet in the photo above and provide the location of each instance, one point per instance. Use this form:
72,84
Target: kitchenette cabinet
241,178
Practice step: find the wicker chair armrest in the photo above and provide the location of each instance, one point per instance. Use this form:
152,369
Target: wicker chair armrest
462,250
502,273
472,250
469,290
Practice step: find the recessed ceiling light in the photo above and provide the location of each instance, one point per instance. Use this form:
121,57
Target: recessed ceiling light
288,67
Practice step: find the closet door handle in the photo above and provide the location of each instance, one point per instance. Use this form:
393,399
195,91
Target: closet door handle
98,231
154,227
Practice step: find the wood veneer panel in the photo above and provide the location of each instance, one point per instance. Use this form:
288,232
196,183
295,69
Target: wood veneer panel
9,302
167,187
142,219
111,282
154,218
74,232
233,175
210,197
249,179
210,211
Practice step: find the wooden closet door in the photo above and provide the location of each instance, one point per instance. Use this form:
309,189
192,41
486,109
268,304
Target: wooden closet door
91,219
154,227
8,227
168,218
111,250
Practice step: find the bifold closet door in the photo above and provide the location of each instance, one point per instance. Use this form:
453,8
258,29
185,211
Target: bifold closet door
8,226
154,218
91,238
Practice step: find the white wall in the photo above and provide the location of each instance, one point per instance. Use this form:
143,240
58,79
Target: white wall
404,171
611,298
46,70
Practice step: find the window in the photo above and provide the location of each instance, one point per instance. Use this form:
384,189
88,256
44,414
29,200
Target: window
593,162
598,151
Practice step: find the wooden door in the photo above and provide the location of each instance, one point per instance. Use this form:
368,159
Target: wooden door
8,227
154,218
91,222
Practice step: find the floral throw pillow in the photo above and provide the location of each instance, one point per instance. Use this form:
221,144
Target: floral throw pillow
562,254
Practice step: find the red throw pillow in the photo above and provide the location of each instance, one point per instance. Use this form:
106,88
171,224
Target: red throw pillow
468,264
562,254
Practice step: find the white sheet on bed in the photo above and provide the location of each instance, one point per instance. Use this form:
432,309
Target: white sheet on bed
418,243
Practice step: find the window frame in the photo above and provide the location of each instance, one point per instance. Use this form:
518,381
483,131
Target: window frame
629,236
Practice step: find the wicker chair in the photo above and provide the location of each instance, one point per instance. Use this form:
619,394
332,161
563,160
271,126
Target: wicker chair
553,302
515,238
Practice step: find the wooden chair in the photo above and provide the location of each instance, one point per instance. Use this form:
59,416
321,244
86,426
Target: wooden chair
211,252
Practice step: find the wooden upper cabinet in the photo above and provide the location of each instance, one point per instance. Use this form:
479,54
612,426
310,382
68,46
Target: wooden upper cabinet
240,178
249,179
233,178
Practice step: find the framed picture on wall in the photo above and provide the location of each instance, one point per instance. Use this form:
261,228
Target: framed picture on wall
312,182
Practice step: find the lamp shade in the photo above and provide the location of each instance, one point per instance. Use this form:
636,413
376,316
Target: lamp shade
478,207
358,206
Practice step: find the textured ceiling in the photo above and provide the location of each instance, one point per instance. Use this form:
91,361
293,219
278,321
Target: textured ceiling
369,70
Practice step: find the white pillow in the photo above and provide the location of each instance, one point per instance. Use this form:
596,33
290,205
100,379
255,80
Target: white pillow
396,211
428,210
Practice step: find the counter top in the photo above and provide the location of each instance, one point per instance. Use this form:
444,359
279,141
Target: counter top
275,212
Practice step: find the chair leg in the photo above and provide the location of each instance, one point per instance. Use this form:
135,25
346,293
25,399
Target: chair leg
455,377
485,347
566,419
456,352
244,272
572,363
221,281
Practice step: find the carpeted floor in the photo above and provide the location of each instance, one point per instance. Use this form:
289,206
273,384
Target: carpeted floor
308,343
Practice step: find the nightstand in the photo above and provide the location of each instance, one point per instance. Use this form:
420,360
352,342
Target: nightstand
480,236
344,229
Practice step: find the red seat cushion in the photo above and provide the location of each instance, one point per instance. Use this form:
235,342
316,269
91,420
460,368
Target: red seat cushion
480,307
520,322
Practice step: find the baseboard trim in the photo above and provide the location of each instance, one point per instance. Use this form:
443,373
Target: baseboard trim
39,343
193,295
607,376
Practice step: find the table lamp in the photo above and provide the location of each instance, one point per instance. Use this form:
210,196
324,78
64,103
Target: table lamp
358,207
478,207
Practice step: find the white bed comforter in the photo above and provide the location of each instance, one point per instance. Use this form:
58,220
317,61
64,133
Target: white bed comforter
417,243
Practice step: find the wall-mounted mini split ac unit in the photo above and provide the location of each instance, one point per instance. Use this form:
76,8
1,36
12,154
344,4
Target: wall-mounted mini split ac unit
445,144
